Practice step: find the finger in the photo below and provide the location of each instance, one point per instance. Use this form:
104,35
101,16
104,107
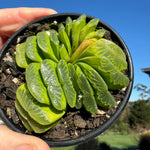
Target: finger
11,140
11,19
2,41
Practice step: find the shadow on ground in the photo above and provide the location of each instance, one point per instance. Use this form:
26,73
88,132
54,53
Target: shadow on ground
130,148
95,145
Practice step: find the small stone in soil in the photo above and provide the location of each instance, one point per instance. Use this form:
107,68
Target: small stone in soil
79,121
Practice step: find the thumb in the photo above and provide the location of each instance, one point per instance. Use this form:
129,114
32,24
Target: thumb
11,140
11,19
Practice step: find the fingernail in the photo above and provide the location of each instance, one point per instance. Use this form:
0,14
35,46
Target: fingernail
25,147
51,11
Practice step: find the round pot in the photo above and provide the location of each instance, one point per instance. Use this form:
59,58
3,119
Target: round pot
95,132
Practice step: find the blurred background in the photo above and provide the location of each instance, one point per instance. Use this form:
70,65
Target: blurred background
131,19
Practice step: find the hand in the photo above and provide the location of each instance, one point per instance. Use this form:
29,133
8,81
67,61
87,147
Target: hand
10,140
11,19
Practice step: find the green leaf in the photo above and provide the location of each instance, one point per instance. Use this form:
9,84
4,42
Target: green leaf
68,27
105,100
72,75
95,34
114,80
29,123
43,41
102,64
21,59
79,101
55,91
80,49
48,72
106,66
94,77
63,75
63,37
89,27
35,83
57,97
89,101
83,83
77,25
42,114
119,59
117,80
103,48
32,49
114,47
93,61
22,115
63,53
54,42
25,123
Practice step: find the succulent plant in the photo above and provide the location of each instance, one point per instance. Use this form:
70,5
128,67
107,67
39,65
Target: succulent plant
74,66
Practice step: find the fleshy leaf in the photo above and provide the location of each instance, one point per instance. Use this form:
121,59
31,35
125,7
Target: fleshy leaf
22,115
89,27
105,100
77,25
106,66
55,91
63,53
32,49
80,49
54,42
68,27
102,64
21,59
25,122
114,80
43,41
29,123
94,77
63,75
115,47
89,101
63,37
72,74
48,72
102,49
42,114
95,34
35,83
119,59
79,101
117,80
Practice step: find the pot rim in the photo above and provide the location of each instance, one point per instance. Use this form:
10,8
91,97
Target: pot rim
97,131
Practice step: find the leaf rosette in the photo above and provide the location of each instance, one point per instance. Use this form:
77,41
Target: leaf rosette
74,66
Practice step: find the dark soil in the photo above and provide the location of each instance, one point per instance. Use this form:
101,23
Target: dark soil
74,123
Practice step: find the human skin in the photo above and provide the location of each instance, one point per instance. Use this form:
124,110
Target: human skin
10,140
11,19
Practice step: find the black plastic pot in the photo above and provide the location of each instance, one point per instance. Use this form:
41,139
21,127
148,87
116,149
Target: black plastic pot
95,132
